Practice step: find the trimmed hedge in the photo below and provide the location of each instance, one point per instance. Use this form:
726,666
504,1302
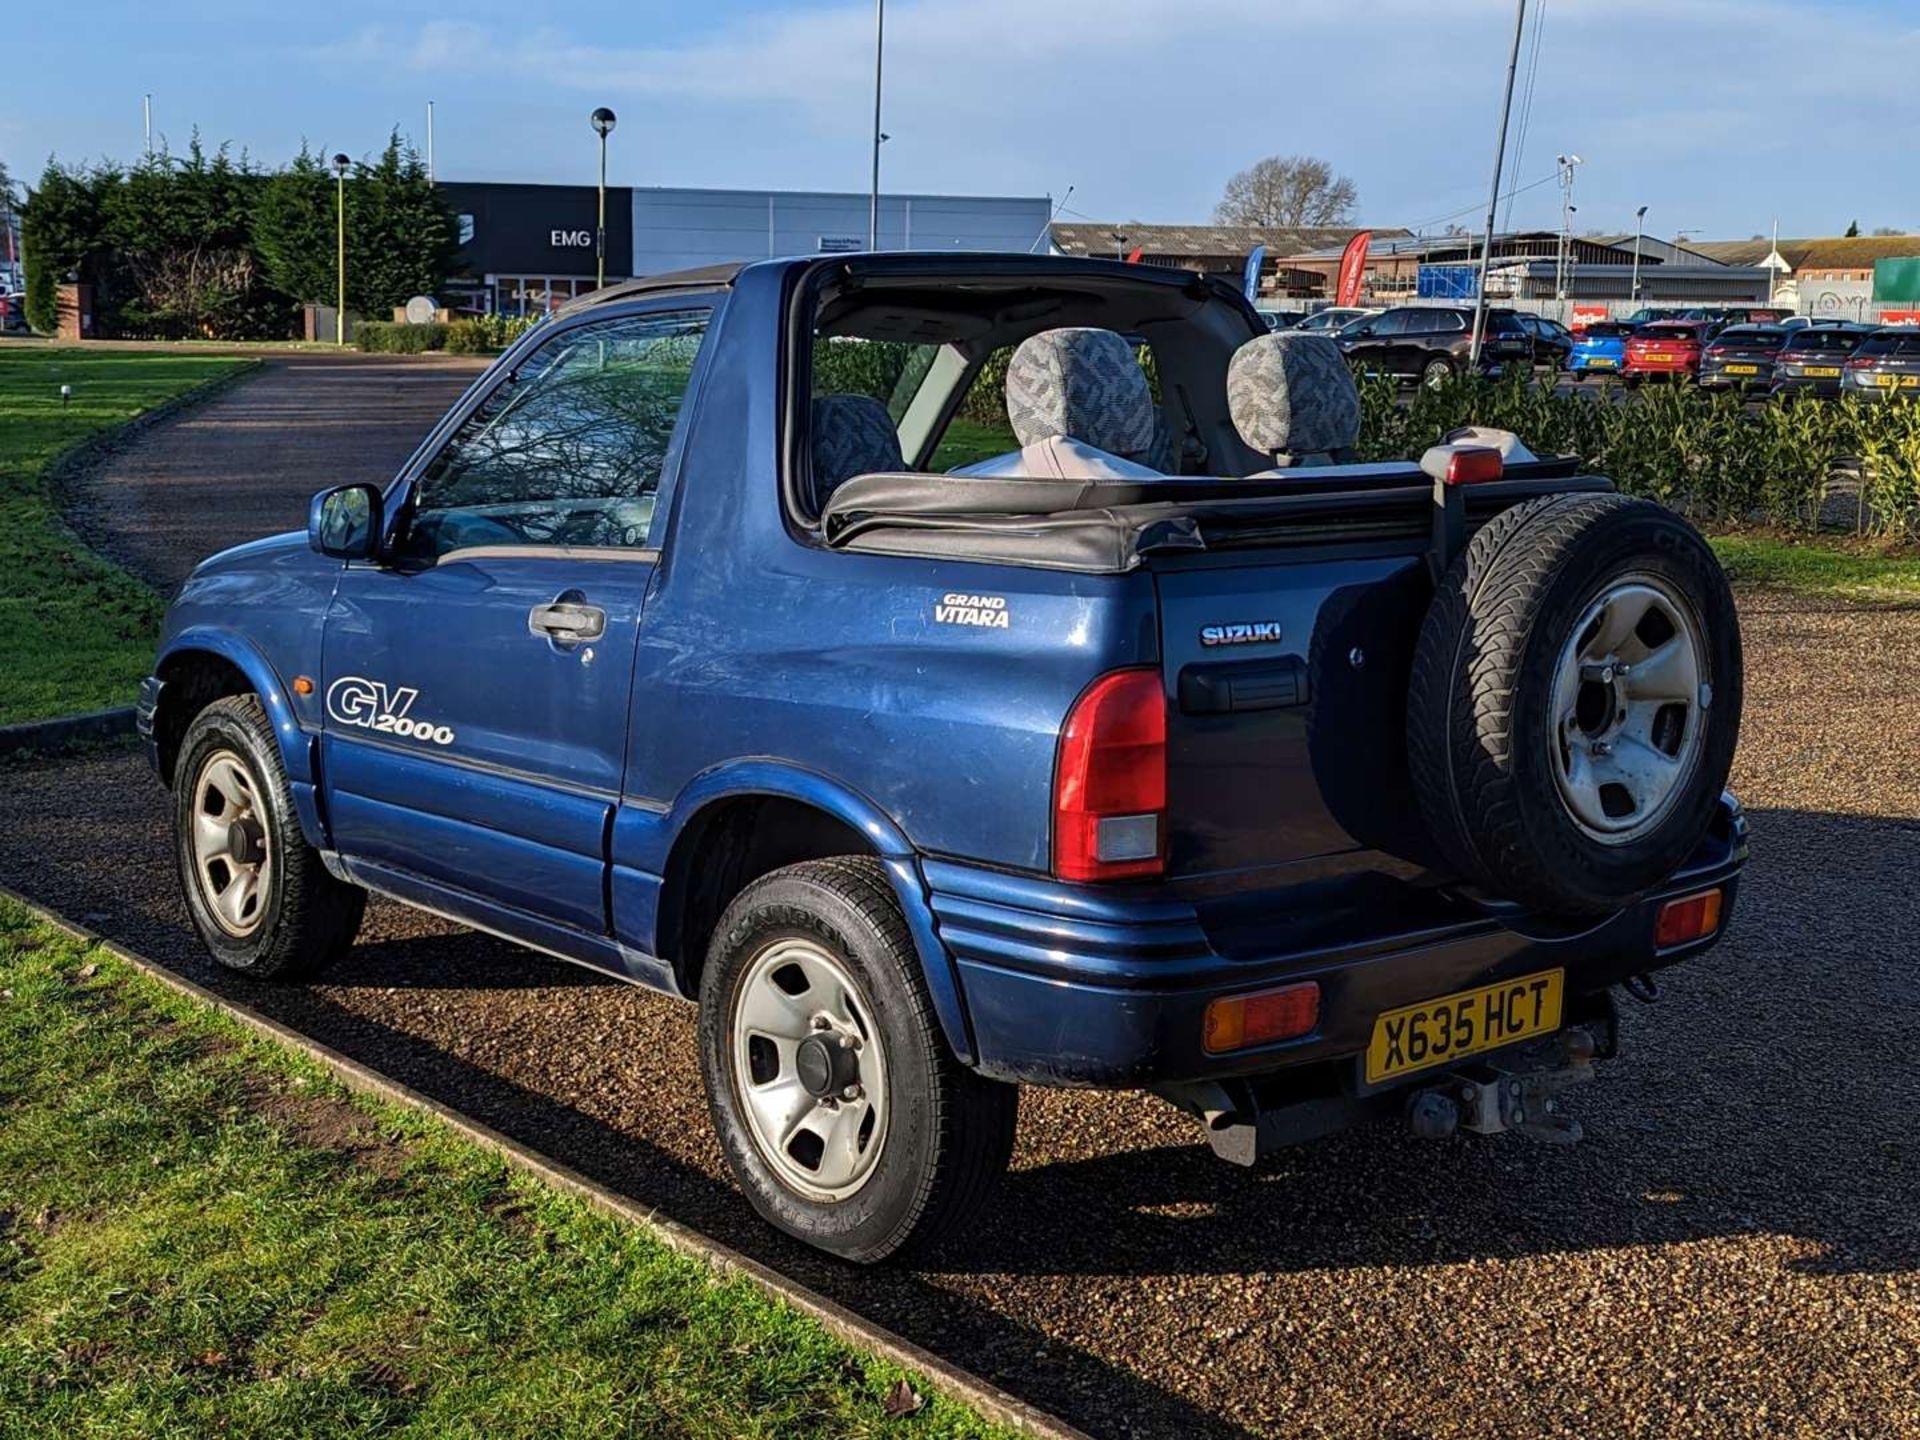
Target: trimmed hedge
1705,453
390,337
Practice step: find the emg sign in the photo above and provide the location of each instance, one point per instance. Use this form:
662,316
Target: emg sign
570,239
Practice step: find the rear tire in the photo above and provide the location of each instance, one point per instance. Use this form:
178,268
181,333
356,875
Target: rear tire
1575,702
257,891
1436,373
844,1117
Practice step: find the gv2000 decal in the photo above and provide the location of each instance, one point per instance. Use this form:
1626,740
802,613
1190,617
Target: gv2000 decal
382,708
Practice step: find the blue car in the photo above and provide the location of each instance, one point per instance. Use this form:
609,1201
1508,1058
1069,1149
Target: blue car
1599,349
1224,768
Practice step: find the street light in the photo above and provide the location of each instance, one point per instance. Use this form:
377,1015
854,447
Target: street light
603,122
1639,229
340,166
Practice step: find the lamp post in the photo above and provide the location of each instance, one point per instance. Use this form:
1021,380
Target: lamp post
879,48
603,122
1639,229
340,167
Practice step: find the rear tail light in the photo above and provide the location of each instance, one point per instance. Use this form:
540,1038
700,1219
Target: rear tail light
1238,1022
1474,465
1692,917
1862,362
1110,781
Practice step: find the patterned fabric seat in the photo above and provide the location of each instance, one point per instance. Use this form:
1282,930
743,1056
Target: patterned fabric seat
1080,408
852,435
1292,396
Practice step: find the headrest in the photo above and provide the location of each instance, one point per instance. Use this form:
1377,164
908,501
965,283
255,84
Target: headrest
1291,393
1083,384
852,435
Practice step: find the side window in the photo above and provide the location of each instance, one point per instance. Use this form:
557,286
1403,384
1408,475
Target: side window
569,450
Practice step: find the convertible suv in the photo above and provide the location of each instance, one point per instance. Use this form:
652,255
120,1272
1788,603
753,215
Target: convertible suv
1168,750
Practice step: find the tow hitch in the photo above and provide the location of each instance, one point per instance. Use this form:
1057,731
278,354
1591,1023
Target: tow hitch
1514,1092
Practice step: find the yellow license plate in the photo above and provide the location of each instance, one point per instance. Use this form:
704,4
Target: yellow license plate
1743,369
1823,370
1890,381
1600,362
1435,1032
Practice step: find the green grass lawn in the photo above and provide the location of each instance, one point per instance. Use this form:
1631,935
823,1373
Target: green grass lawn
1828,566
968,441
76,633
201,1234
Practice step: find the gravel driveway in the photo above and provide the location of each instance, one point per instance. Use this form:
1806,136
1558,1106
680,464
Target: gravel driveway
1735,1250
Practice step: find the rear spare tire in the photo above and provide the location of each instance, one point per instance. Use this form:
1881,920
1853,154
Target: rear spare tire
1575,702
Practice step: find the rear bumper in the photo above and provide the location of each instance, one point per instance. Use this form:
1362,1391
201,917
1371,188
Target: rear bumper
1066,986
1785,381
1715,376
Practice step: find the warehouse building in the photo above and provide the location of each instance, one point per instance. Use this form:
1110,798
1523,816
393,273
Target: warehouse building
527,248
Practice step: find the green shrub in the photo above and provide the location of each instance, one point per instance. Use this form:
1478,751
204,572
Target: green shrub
387,337
1703,453
467,337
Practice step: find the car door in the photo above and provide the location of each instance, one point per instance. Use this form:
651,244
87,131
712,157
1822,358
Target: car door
478,680
1371,345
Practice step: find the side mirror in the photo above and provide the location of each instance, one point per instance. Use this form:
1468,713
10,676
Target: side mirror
345,522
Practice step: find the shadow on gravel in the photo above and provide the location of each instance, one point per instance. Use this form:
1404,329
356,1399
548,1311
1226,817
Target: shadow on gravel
1771,1093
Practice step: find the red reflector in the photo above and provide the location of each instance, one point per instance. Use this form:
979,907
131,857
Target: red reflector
1690,918
1235,1022
1472,466
1110,781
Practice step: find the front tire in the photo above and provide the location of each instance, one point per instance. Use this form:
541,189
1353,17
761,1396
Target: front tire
844,1117
258,893
1436,373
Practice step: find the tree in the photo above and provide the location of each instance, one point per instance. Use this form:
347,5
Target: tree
400,234
1286,191
294,229
180,232
61,229
1853,229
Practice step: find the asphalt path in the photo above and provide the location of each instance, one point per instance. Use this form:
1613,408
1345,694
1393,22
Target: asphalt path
1734,1250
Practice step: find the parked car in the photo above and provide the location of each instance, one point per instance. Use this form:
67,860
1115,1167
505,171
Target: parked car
1814,358
1282,319
1741,357
1654,314
1333,318
1666,347
1599,349
1430,342
1552,342
1884,365
13,311
923,789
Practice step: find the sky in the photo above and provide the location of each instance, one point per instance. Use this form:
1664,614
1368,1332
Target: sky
1721,117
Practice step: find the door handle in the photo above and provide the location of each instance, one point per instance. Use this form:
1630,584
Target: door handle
567,621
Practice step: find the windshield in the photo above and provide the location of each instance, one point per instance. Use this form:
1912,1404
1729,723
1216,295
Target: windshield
1752,335
1606,330
1668,332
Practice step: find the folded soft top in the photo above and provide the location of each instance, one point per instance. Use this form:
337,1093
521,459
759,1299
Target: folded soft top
1106,526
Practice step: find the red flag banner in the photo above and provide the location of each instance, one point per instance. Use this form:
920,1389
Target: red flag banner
1353,269
1133,255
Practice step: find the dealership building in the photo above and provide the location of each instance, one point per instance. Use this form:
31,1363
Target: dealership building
527,248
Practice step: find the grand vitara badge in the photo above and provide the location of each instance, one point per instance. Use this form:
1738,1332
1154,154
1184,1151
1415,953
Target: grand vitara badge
1254,632
987,612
